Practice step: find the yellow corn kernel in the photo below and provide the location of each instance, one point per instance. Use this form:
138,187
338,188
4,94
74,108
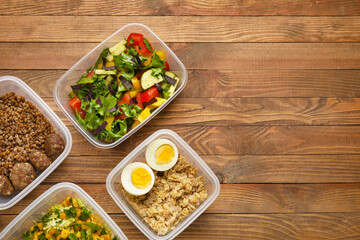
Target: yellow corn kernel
88,220
52,231
95,219
68,199
78,235
110,64
58,237
132,93
95,237
35,237
32,228
161,54
84,227
136,83
144,114
79,222
64,233
106,236
75,202
100,65
64,203
40,225
78,212
62,215
48,236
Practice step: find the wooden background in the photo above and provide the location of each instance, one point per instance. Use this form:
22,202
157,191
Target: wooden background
272,105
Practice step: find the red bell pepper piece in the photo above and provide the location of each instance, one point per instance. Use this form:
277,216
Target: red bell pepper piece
75,104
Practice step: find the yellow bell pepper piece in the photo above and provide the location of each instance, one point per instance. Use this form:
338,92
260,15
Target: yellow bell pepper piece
132,93
136,83
161,54
158,103
100,65
136,122
144,114
110,64
109,120
147,62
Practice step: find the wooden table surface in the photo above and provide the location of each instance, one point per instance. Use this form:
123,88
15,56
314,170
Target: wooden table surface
272,105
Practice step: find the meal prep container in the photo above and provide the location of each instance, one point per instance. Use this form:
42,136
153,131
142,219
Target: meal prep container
14,84
56,195
62,87
113,183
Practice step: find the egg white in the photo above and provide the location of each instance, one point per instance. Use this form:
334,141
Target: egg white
150,155
126,179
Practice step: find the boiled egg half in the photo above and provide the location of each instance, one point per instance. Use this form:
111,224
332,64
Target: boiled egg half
161,155
137,178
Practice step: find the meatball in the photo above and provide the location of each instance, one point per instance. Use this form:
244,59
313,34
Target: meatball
21,175
54,145
39,160
6,188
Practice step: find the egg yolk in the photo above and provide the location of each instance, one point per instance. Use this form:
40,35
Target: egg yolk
141,178
164,154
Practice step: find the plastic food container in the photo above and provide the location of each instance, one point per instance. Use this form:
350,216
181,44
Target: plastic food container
14,84
113,183
56,195
62,87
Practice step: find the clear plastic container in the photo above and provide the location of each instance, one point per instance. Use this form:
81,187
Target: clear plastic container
56,195
62,87
14,84
113,183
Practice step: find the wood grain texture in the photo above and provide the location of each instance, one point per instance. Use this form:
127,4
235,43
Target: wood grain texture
254,111
268,226
188,7
183,28
247,198
244,140
229,168
198,55
235,83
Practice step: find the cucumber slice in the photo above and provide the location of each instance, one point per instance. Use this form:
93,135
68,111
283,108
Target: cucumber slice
109,79
148,80
104,72
118,48
172,87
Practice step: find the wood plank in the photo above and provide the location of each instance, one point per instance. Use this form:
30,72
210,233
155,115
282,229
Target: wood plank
229,168
244,140
329,226
183,28
235,83
247,198
198,55
255,111
171,7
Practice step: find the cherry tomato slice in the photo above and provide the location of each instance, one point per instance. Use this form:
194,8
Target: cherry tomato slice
138,99
75,104
126,99
136,38
167,67
149,94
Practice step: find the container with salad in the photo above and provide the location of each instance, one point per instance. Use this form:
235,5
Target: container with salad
69,220
126,84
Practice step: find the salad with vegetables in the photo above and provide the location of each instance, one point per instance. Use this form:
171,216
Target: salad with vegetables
70,220
126,84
